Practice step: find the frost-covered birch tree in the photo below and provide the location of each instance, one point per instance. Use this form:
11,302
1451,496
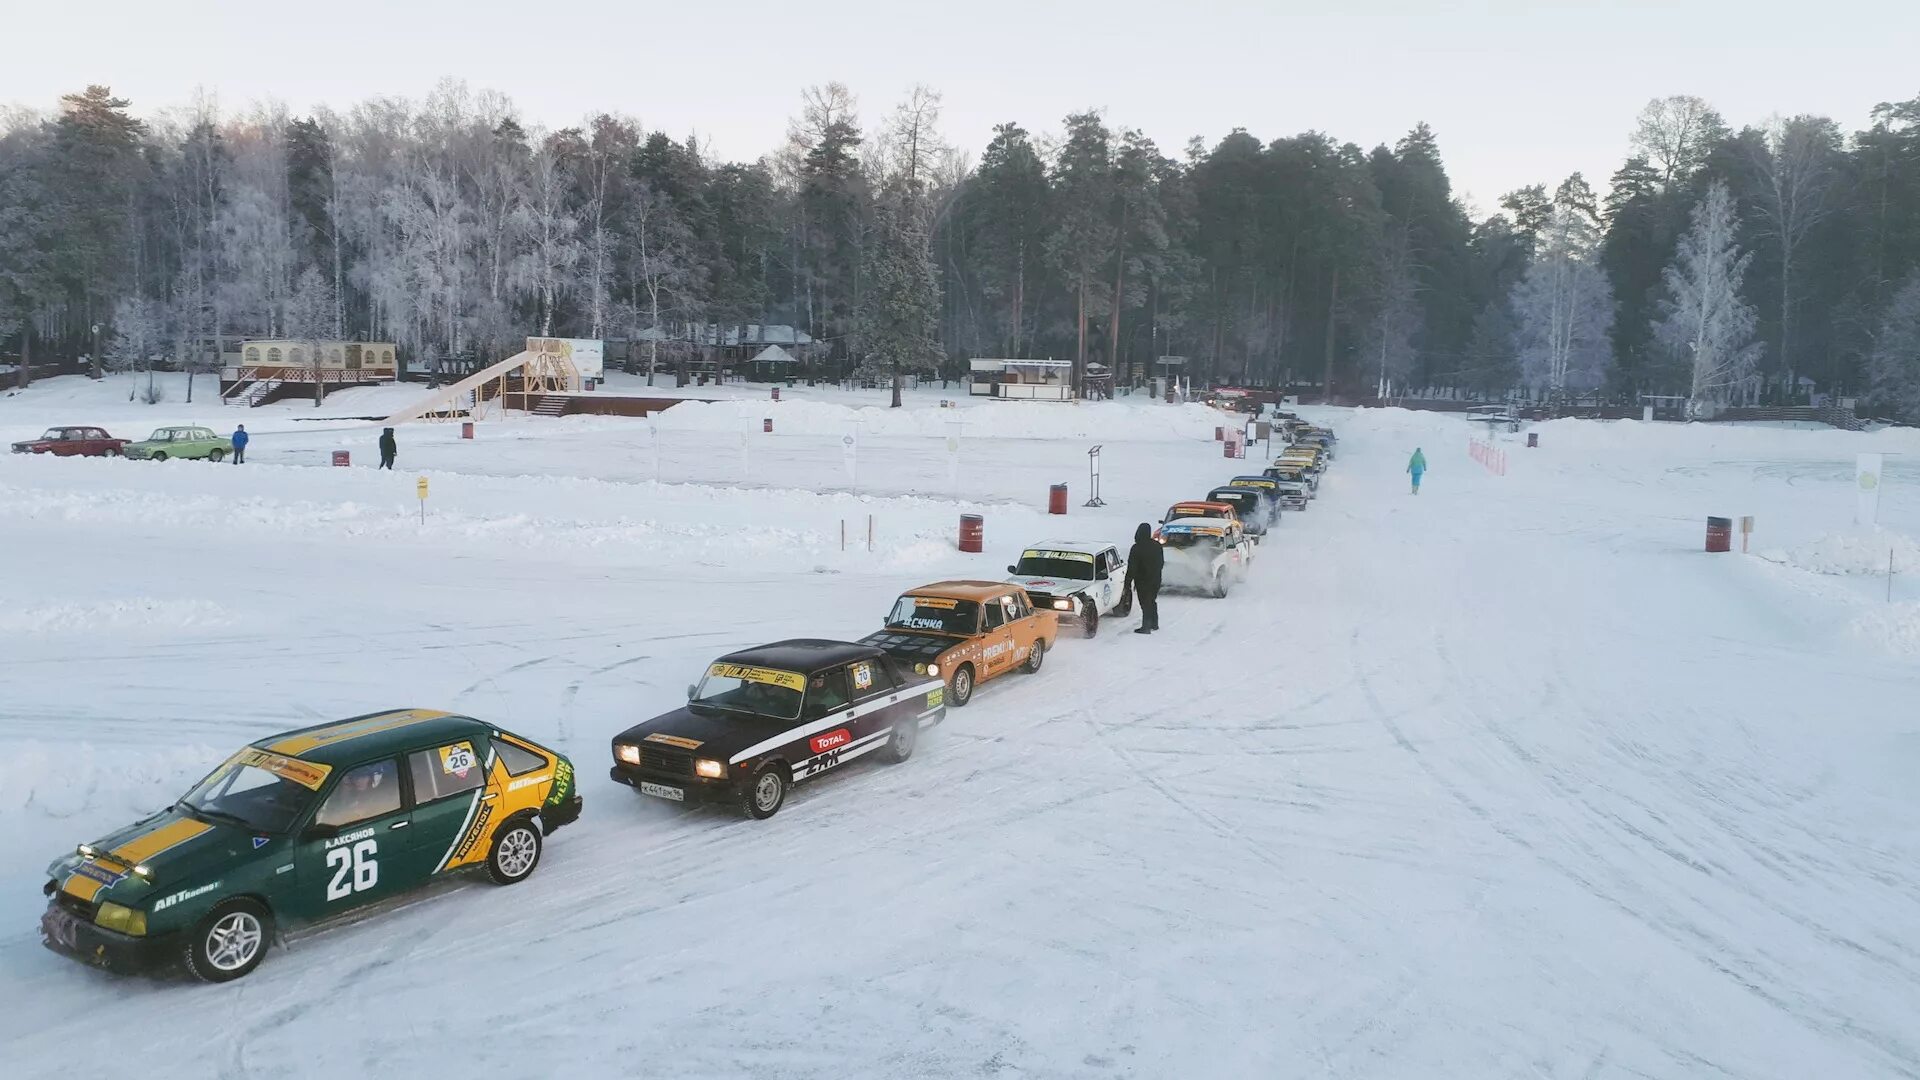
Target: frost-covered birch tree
1563,305
139,334
1704,320
548,268
1893,368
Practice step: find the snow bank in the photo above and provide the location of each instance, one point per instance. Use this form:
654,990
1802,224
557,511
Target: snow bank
140,612
1858,552
1895,627
115,782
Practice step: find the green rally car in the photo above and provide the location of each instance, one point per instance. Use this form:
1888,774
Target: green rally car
304,826
180,442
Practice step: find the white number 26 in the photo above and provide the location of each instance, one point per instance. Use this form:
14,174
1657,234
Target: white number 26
354,869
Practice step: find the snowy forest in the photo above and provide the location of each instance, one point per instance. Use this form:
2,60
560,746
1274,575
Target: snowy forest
1764,264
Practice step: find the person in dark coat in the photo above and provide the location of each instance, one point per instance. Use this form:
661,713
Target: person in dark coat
239,442
1144,562
388,448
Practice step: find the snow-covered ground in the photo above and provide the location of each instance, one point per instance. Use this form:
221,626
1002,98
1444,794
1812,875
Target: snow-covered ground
1509,779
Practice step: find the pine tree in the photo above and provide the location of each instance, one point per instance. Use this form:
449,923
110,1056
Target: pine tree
1636,248
95,147
1082,242
900,308
1006,203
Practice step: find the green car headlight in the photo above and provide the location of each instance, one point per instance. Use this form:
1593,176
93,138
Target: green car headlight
122,918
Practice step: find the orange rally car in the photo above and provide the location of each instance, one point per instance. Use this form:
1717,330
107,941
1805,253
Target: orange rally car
966,632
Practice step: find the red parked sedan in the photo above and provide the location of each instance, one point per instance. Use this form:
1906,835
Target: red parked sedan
73,442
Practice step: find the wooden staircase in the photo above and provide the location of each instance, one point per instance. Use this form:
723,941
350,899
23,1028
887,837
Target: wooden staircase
551,405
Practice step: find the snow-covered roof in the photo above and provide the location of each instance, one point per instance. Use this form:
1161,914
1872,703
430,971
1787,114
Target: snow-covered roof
774,354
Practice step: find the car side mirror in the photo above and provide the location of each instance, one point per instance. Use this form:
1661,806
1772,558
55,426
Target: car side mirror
1011,569
317,831
690,691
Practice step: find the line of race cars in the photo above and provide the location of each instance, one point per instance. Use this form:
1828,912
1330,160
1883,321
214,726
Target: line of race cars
307,825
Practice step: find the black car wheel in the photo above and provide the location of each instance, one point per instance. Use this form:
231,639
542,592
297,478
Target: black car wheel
230,942
516,851
216,454
160,456
1220,584
906,735
1089,616
1035,657
766,792
962,685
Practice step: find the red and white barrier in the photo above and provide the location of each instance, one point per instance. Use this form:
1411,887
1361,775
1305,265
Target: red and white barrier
1492,458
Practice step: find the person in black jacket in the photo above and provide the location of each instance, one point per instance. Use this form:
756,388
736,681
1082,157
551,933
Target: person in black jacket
1144,561
388,448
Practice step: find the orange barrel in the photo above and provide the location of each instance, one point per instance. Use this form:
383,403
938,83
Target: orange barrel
1719,534
342,457
1533,438
776,397
1057,499
973,532
767,424
466,429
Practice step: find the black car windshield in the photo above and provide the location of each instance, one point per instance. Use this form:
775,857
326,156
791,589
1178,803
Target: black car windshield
249,796
1048,563
755,691
939,614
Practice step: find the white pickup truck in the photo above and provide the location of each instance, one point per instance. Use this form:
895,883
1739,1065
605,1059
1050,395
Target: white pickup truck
1076,578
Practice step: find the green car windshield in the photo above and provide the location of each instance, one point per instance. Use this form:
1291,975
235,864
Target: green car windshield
250,797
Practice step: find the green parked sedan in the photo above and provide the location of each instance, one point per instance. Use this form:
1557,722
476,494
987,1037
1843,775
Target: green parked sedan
181,442
304,827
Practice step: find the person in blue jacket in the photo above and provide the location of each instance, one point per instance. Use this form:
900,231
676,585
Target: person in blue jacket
239,441
1416,465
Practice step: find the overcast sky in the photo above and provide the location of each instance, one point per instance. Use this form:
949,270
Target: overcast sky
1518,93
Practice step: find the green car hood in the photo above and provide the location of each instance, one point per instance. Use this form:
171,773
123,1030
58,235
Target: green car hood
180,851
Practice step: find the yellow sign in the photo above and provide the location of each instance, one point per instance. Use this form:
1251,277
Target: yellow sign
769,676
421,487
308,774
933,602
1065,556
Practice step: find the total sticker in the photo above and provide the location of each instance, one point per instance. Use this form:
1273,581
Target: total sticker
457,760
